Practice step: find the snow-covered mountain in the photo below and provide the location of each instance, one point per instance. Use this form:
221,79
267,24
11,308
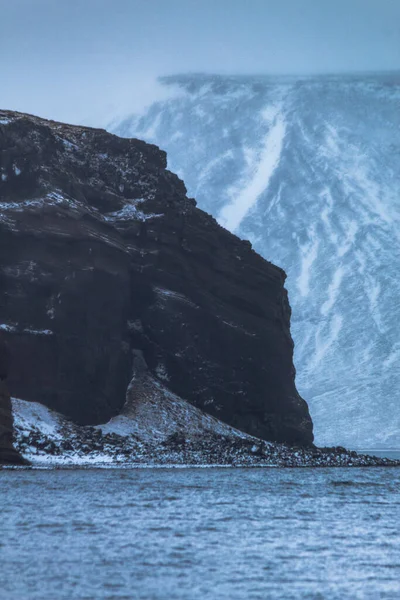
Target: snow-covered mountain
309,171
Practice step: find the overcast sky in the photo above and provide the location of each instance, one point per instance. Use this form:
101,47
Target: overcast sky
79,59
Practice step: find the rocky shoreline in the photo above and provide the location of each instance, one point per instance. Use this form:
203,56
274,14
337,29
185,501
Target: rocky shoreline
90,447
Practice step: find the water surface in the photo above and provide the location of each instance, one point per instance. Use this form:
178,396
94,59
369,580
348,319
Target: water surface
200,533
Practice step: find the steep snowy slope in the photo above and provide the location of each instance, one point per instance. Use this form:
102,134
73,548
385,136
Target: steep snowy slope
309,171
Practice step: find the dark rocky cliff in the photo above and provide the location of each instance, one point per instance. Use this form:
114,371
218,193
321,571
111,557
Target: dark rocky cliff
102,253
7,453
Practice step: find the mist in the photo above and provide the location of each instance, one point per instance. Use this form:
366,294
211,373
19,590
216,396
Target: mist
88,60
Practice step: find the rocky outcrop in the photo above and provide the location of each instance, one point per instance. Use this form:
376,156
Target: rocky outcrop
8,455
103,254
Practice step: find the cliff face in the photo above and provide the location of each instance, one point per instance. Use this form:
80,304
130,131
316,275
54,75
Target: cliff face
103,254
7,453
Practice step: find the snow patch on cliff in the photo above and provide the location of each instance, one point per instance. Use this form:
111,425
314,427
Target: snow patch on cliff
8,327
38,331
33,415
131,211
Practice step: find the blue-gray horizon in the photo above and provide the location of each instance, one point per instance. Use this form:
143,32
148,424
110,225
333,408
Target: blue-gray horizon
86,61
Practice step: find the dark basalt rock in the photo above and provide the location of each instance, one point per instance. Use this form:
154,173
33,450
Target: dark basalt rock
8,455
102,253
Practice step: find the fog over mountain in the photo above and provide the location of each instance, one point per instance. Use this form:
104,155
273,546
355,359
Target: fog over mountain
80,61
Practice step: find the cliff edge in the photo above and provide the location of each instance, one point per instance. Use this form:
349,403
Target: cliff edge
102,255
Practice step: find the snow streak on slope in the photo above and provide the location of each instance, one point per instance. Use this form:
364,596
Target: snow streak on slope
258,172
309,171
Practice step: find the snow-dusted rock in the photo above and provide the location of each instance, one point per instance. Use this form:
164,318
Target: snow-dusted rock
102,254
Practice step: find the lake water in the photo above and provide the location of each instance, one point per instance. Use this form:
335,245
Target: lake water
200,534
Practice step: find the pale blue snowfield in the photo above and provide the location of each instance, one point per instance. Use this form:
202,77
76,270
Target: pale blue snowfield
307,169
